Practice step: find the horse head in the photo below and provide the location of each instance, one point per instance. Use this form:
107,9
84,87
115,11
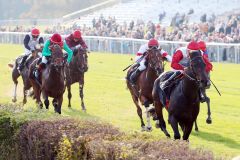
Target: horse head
155,60
198,68
57,58
80,60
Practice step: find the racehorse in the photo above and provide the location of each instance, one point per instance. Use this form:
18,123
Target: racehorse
24,73
75,73
52,80
142,91
184,100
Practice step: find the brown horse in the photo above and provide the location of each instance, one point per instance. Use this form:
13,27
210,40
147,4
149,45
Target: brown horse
184,97
75,73
24,73
142,91
52,80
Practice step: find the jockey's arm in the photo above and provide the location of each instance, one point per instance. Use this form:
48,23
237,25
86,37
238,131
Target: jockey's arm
26,41
209,65
83,44
46,51
41,41
177,57
69,51
166,55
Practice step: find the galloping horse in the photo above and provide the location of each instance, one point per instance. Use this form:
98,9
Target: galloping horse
142,91
75,73
52,80
184,101
24,73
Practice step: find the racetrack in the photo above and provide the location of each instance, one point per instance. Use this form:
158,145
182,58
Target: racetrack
107,98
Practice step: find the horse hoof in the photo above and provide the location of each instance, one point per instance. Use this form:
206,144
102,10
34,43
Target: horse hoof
143,128
209,121
69,106
168,135
84,110
196,129
149,129
14,100
24,102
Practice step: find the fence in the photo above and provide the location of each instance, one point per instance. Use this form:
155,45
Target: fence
218,52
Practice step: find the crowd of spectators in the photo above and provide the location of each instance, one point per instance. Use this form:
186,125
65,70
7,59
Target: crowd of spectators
225,29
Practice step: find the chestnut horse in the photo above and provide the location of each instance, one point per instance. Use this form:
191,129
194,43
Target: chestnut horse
52,80
24,73
75,73
184,100
142,91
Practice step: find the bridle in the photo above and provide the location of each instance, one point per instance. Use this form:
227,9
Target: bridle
192,70
152,63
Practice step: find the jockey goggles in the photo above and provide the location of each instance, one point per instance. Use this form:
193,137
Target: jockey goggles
35,36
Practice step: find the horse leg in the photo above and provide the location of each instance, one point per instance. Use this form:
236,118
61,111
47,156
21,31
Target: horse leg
158,109
69,95
209,119
81,96
15,91
174,124
149,126
196,126
24,95
139,110
46,101
37,94
187,130
57,103
15,75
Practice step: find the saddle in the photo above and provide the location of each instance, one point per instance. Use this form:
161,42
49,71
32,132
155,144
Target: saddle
131,70
165,94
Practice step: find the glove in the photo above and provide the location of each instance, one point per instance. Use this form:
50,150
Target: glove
65,56
77,46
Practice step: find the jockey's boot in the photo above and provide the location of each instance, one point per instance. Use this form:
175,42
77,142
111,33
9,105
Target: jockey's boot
22,63
171,79
39,69
28,58
134,76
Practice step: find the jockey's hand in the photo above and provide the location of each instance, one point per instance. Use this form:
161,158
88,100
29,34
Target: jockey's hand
77,46
65,56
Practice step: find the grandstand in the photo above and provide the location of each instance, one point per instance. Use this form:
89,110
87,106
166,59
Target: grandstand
150,9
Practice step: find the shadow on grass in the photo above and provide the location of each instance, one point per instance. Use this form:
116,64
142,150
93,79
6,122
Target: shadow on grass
77,113
214,137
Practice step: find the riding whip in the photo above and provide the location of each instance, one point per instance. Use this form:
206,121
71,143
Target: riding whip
134,62
215,87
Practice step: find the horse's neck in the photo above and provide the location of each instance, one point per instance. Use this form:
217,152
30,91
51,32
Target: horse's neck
189,87
54,73
151,74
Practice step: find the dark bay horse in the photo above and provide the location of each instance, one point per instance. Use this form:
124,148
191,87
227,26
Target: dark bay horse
52,80
75,73
24,73
184,100
142,91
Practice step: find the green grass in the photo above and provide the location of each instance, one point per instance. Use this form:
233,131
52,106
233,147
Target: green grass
107,99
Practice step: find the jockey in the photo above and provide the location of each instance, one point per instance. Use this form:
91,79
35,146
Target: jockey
55,39
141,58
30,41
203,49
75,41
181,60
